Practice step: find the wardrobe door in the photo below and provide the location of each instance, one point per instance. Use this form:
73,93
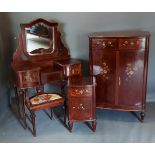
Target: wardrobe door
104,69
130,83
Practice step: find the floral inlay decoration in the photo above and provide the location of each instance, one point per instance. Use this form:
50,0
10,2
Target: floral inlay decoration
130,70
105,71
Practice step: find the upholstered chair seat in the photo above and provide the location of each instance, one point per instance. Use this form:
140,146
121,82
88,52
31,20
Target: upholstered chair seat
43,98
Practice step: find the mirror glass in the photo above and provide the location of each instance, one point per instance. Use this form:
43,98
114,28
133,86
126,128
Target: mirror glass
39,39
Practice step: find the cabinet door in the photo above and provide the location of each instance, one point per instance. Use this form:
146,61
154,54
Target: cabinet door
80,108
131,68
104,69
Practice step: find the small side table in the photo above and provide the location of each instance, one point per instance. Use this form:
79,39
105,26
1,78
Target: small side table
81,100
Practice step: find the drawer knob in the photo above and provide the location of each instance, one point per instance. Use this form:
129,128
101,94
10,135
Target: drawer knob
104,45
109,42
126,42
132,43
72,71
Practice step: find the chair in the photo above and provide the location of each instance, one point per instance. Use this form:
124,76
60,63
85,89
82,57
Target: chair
30,79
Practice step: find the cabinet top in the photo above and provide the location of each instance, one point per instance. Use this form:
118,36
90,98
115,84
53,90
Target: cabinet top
120,34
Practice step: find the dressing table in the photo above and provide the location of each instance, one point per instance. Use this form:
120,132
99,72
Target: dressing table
40,46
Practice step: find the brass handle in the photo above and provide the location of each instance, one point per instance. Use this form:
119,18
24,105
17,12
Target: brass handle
132,43
104,45
125,43
109,42
72,71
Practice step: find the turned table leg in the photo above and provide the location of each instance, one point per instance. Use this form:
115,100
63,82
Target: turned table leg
18,102
22,96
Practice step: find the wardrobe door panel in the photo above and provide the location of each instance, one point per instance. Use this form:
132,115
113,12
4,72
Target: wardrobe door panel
131,68
104,68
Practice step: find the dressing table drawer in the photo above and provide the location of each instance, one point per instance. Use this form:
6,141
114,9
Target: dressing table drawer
71,67
73,70
28,78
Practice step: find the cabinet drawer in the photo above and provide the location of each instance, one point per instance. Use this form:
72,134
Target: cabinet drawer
73,70
80,92
104,43
132,43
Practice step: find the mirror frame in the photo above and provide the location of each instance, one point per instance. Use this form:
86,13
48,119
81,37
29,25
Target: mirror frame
52,25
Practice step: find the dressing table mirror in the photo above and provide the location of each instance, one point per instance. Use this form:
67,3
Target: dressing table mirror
39,39
40,46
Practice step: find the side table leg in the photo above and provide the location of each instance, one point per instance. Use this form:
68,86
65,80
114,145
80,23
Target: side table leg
70,125
94,126
18,103
22,96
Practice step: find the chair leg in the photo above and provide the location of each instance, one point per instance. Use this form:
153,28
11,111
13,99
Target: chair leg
32,115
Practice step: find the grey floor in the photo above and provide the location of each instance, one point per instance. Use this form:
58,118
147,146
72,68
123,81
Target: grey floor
112,126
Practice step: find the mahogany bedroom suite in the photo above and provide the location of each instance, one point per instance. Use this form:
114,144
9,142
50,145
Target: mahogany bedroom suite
118,74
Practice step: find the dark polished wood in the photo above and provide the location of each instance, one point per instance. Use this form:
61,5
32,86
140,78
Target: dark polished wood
54,66
70,67
54,63
81,100
119,61
34,83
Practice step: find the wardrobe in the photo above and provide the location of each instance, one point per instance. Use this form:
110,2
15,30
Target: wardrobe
119,61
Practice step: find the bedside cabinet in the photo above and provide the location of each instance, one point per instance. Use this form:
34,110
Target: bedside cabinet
81,100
